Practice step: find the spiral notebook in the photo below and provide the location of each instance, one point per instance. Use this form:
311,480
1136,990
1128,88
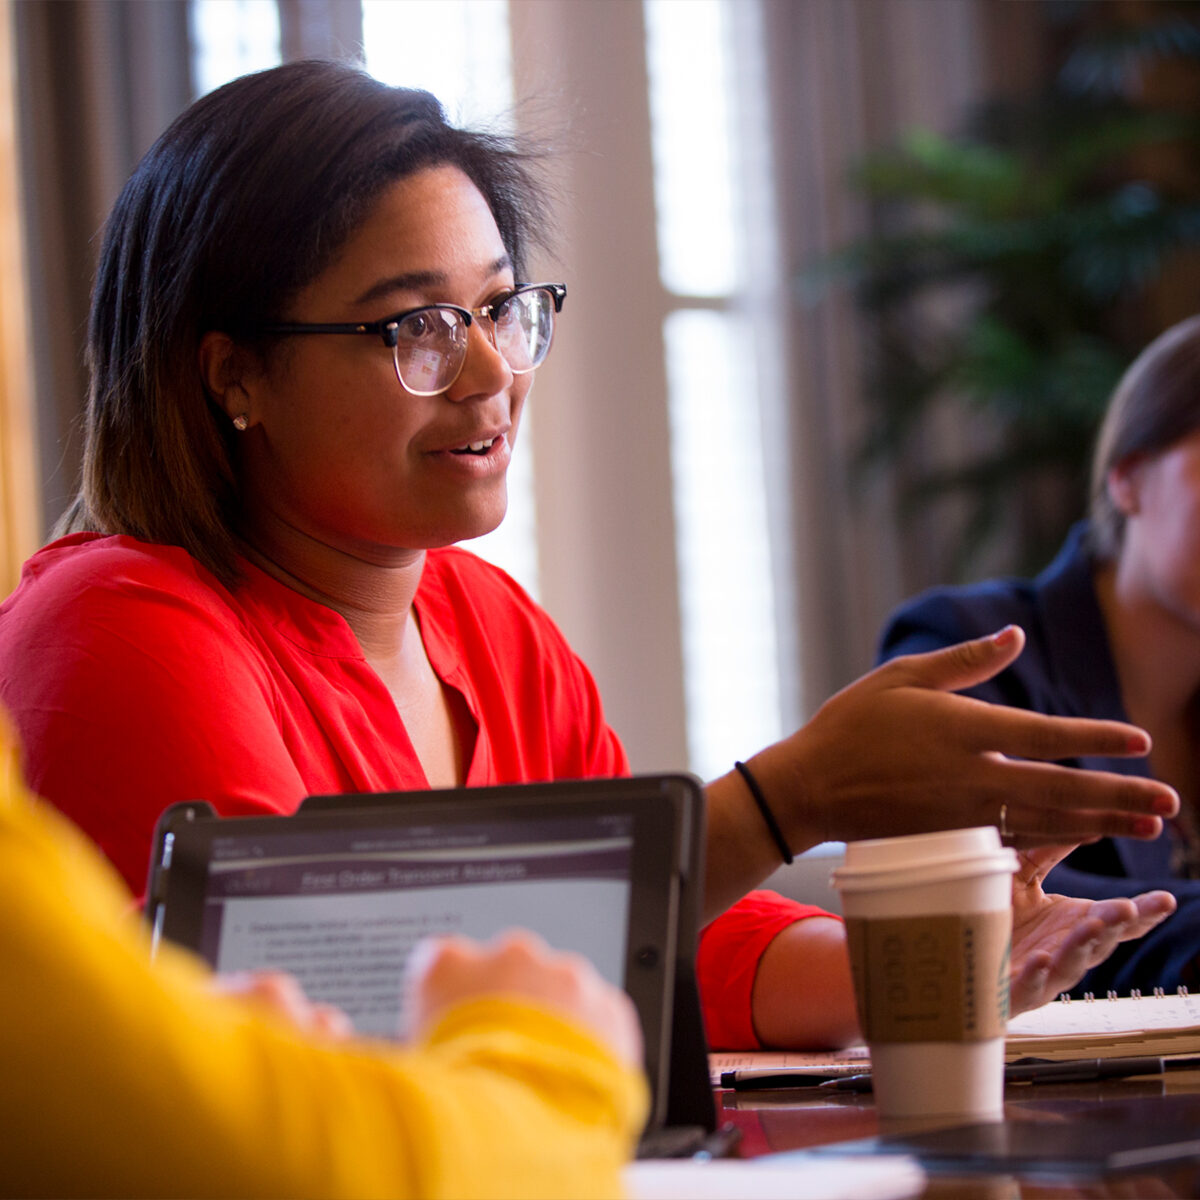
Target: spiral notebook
1156,1023
1093,1027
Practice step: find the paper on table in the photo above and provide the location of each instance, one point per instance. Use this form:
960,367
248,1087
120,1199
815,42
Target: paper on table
1112,1027
802,1177
851,1061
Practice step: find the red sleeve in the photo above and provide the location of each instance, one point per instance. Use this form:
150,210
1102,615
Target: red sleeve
727,962
132,691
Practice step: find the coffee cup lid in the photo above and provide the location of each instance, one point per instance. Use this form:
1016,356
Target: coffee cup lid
949,854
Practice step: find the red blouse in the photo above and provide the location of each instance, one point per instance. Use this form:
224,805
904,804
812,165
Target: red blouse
135,680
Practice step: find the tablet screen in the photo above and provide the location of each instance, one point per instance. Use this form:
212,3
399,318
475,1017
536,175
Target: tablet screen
341,909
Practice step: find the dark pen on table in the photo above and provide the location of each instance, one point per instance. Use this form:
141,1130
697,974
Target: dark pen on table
1075,1070
753,1080
1031,1070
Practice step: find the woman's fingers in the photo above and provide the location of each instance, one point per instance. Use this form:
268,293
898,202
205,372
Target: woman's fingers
442,972
280,993
1044,803
1057,939
1034,864
896,753
1152,907
1014,732
1038,813
1031,985
1045,975
956,667
1017,733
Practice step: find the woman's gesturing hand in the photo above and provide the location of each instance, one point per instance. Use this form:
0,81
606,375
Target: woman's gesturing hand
1056,939
897,753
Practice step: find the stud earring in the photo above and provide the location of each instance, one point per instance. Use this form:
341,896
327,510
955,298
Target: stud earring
240,422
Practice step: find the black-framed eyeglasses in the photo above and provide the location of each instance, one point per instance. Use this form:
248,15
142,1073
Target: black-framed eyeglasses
429,344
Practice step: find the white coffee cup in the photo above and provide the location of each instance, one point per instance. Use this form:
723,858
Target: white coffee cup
929,925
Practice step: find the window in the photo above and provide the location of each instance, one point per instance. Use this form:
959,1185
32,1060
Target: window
232,38
456,49
714,242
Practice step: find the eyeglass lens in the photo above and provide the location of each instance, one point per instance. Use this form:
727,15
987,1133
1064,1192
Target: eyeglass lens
431,345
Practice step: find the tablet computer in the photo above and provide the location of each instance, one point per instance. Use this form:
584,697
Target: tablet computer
1084,1139
338,893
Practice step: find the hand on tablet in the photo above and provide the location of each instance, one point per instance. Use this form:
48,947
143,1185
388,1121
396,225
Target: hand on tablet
445,971
279,993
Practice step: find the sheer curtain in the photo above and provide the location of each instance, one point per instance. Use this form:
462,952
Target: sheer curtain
97,82
19,504
845,76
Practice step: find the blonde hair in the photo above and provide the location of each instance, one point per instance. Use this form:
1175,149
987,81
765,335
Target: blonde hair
1156,403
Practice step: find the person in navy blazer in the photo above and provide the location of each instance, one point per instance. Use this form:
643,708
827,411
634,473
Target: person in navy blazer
1113,631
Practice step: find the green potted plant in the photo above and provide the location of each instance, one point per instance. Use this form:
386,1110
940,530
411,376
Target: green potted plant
1012,264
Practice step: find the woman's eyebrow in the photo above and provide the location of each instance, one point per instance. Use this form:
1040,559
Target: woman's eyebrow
413,281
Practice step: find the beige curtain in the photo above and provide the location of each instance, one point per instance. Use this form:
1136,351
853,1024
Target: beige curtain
98,81
18,461
846,76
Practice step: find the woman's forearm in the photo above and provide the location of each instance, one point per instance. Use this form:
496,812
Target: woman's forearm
741,852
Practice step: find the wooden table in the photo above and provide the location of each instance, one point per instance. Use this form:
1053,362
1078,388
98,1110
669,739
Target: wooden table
801,1118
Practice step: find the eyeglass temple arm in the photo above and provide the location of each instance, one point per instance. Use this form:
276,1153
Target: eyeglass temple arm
375,327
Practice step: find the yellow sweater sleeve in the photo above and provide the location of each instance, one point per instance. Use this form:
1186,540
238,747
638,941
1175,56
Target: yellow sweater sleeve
122,1077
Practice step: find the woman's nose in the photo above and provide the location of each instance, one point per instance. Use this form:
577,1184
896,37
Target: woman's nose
485,370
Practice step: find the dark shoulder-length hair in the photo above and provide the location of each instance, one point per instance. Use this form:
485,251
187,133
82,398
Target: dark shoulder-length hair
244,200
1155,405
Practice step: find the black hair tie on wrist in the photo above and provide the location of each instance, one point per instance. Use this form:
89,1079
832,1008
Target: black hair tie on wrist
767,815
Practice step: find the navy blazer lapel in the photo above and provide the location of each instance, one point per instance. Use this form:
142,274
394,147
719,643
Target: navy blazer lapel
1078,652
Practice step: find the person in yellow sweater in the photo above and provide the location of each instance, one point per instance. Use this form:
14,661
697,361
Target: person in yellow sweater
120,1076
